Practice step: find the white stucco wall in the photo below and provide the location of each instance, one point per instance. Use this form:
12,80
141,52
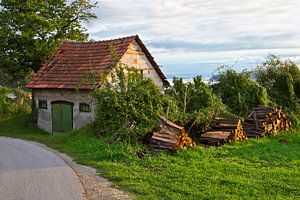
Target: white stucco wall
45,115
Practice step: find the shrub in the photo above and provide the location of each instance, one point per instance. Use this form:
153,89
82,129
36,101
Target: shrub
129,107
11,107
282,81
239,92
196,102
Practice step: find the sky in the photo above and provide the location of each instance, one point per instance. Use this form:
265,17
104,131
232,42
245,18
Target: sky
195,37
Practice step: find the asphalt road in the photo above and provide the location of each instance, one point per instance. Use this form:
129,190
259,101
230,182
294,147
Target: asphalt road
30,172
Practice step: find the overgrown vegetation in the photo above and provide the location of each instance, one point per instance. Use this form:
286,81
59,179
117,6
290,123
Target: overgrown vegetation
239,92
128,106
13,102
282,82
254,169
197,104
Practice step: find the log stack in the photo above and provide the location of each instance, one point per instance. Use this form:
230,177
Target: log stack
263,121
224,130
170,136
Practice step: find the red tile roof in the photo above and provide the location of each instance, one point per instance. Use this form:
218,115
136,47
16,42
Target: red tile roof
73,61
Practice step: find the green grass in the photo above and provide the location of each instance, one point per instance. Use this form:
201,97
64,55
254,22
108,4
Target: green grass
256,169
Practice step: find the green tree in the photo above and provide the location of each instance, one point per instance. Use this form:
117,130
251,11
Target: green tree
239,92
31,30
282,81
196,102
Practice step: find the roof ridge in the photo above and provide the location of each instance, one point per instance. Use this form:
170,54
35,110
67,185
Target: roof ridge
72,57
99,41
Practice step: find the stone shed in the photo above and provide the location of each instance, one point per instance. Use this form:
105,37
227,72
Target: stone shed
63,102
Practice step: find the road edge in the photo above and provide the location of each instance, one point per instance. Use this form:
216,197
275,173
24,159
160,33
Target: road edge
94,186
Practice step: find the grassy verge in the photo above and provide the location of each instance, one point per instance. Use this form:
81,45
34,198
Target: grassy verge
256,169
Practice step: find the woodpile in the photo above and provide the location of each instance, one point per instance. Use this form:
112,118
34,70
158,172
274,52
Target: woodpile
170,136
264,121
224,130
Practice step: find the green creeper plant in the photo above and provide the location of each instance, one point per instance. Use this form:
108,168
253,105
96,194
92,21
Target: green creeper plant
129,106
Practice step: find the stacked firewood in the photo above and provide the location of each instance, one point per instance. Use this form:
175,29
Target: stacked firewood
264,121
224,130
170,136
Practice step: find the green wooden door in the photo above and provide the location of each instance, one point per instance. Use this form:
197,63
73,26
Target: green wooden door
62,120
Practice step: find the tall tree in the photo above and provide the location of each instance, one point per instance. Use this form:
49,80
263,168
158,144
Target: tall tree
282,81
239,92
31,30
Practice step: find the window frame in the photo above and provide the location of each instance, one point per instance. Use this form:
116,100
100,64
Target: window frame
83,106
42,104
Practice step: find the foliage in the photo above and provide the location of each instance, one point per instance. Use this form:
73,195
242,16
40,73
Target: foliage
128,106
239,92
255,169
282,81
196,102
3,78
10,107
31,30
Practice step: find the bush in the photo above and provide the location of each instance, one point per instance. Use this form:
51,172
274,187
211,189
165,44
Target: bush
129,107
282,81
10,107
239,92
196,102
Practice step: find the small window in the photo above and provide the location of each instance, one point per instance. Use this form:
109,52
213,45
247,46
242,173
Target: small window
84,107
135,61
42,104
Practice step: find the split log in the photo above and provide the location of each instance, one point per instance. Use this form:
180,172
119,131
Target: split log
170,136
263,121
224,130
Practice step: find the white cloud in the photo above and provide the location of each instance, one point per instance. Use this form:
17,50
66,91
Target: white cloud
182,32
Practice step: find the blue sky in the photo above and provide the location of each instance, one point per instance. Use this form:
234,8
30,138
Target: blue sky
195,37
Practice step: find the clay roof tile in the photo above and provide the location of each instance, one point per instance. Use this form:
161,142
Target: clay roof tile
74,60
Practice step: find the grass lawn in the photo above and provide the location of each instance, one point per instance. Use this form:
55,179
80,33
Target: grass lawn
256,169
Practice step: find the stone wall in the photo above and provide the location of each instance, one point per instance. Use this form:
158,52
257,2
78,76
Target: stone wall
135,57
51,95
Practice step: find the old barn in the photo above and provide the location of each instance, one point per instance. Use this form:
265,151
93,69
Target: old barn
62,101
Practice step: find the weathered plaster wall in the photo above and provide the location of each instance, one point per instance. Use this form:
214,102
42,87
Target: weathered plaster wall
45,115
135,57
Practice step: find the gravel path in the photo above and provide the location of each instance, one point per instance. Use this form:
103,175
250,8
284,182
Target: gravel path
31,171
